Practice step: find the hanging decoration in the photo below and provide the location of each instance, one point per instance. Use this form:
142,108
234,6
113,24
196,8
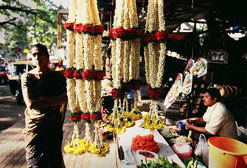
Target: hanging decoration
84,78
175,91
125,43
154,55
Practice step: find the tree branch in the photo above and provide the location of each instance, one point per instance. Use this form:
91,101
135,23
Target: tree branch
17,9
7,21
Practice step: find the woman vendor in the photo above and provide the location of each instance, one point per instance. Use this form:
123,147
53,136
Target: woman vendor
219,121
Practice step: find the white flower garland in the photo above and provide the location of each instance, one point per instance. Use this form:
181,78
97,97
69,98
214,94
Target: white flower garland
88,56
118,64
125,57
133,14
154,53
72,11
113,59
126,61
70,57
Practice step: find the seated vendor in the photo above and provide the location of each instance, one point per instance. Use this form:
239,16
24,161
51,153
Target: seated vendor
219,121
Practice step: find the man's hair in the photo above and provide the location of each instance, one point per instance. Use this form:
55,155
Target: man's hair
41,47
214,93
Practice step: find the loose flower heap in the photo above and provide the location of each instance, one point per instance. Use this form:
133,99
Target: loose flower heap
125,59
145,142
84,80
154,55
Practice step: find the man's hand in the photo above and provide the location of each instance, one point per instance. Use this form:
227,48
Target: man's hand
189,121
188,126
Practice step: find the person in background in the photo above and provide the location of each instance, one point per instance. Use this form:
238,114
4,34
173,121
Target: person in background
219,121
44,92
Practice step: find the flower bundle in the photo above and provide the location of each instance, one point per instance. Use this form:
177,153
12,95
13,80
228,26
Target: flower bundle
154,54
145,142
86,75
125,59
121,118
152,122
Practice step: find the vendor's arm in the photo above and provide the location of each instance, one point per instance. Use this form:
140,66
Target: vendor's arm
196,121
58,100
36,103
196,128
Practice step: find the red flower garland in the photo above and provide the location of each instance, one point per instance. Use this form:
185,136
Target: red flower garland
69,26
77,74
145,143
148,37
117,93
99,29
161,36
85,117
75,116
155,93
88,74
95,116
92,74
88,28
126,33
68,73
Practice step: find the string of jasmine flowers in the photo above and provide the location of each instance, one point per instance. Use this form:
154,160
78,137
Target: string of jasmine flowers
88,61
154,55
125,59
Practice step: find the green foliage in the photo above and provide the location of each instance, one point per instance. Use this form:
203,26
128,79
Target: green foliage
160,162
26,25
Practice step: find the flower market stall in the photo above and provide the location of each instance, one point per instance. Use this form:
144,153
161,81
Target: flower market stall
141,138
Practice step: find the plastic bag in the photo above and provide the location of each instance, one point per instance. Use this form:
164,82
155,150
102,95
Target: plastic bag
183,151
202,148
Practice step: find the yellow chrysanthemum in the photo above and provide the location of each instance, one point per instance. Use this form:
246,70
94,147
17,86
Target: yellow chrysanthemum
129,124
68,148
93,149
146,117
135,116
120,129
110,117
109,128
125,114
104,149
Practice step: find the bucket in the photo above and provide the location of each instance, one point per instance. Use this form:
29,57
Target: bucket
227,153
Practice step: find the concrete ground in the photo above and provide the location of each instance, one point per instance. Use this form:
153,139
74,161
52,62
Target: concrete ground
10,111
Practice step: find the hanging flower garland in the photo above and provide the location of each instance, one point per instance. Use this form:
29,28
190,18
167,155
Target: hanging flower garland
88,75
154,55
125,59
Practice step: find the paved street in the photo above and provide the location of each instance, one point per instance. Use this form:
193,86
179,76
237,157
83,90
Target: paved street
10,111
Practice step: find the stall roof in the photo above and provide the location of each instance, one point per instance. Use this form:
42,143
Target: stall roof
226,13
